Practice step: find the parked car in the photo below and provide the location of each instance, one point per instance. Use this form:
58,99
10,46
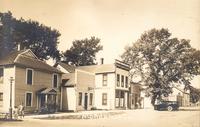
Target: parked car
166,105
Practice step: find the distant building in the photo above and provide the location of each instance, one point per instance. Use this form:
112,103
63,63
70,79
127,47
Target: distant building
135,99
104,86
35,85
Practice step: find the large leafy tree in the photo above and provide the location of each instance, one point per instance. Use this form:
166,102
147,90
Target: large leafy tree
42,40
161,62
83,52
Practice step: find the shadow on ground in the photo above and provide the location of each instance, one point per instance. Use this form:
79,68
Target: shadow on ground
13,120
189,109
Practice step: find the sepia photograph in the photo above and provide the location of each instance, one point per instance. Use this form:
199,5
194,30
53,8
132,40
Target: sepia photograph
100,63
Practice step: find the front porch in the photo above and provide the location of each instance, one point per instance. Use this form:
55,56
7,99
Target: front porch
47,100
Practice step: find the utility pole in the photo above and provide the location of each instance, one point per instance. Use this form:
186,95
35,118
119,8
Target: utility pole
10,109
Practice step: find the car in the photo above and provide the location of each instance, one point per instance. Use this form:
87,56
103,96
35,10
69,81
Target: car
166,105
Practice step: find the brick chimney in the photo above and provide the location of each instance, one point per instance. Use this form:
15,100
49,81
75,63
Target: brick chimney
102,60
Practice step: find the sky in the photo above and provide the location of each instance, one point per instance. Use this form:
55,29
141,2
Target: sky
117,23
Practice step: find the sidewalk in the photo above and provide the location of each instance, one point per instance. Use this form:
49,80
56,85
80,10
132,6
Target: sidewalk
77,115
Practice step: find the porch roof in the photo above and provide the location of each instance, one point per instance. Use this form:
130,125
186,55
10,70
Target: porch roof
47,91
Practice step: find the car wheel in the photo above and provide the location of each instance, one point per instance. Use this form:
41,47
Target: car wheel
169,108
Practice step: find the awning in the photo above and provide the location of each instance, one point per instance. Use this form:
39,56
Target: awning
47,91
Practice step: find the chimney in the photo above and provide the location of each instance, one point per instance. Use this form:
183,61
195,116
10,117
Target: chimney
102,60
18,47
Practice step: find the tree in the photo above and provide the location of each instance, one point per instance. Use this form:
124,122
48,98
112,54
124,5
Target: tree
162,61
83,52
42,40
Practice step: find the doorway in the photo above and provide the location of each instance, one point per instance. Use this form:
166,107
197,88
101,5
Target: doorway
86,101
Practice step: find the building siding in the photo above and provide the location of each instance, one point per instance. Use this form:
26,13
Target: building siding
40,80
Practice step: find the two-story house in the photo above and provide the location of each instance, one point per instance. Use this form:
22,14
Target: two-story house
102,86
35,84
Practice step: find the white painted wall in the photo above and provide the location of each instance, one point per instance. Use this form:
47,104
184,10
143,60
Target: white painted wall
147,101
100,89
71,98
5,88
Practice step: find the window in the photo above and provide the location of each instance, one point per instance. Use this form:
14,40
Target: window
91,98
122,94
104,79
1,75
55,80
28,99
126,82
118,79
122,81
1,99
80,98
104,99
1,96
29,76
117,94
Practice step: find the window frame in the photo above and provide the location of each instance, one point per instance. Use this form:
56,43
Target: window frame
104,98
105,79
118,80
126,81
1,82
27,69
53,80
122,80
26,99
1,93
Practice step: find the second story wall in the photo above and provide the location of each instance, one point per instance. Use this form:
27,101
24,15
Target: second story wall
105,80
40,80
122,80
84,80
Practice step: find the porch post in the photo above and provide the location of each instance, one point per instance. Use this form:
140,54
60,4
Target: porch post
46,98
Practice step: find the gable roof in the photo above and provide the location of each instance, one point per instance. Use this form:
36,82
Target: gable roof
27,58
10,58
67,67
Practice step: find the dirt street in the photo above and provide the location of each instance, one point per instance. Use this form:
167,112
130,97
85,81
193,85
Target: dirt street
131,118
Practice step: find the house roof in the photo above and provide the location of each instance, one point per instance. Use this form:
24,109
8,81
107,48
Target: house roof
47,91
69,68
26,58
10,58
104,68
70,79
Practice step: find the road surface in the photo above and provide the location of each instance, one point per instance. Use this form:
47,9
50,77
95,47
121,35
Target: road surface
131,118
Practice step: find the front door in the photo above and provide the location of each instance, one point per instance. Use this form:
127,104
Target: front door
86,101
42,100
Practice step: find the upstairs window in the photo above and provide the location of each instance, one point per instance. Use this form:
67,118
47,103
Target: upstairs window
55,80
29,76
1,75
118,80
122,81
126,82
105,79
